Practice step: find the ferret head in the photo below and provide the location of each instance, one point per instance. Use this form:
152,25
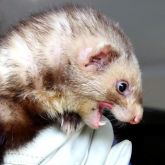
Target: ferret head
113,80
104,68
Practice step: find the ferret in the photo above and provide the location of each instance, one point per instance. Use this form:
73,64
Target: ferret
65,66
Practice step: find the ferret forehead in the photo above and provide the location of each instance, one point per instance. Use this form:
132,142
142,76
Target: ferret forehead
124,69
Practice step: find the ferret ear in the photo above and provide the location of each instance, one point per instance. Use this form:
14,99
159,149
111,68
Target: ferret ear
95,60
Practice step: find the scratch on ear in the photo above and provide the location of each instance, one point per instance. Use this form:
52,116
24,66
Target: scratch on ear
104,57
110,52
97,59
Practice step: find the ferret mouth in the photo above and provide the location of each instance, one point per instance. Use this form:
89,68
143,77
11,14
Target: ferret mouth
96,118
102,106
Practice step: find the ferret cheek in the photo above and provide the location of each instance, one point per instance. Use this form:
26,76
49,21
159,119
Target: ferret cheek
121,114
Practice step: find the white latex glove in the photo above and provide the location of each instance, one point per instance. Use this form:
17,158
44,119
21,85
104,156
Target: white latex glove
86,147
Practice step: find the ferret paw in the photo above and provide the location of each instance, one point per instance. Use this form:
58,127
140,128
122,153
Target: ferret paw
70,122
70,128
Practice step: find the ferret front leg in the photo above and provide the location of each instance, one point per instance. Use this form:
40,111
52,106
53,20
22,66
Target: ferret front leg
86,111
69,122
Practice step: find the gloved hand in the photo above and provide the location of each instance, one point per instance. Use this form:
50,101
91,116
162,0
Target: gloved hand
85,147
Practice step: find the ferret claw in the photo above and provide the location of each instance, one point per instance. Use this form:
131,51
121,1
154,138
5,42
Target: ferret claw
101,123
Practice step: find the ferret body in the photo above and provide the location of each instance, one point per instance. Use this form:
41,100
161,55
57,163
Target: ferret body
65,66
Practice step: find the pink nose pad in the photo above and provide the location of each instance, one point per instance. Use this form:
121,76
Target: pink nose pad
135,120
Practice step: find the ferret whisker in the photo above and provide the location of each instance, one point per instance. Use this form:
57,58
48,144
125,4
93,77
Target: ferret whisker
43,117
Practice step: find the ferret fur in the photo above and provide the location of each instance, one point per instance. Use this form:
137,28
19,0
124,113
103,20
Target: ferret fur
63,62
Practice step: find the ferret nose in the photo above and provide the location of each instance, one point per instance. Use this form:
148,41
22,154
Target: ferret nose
135,120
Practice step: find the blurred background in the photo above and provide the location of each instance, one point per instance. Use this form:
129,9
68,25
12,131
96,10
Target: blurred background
143,21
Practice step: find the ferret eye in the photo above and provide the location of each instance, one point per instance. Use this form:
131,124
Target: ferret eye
122,87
